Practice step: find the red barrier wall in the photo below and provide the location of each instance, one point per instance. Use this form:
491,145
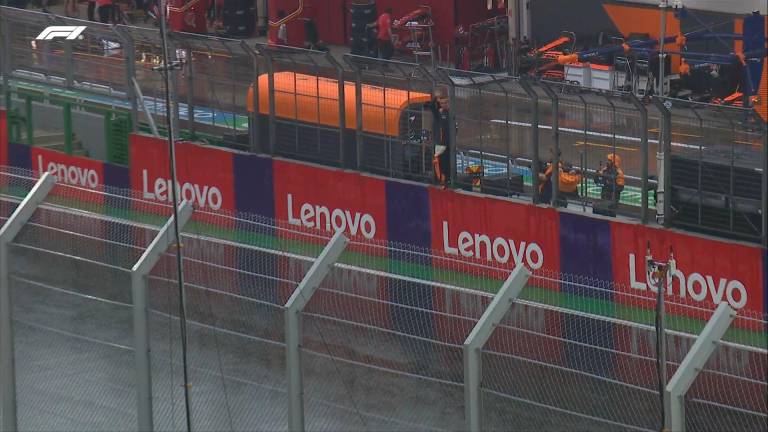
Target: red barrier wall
462,226
81,173
709,271
319,198
494,231
205,174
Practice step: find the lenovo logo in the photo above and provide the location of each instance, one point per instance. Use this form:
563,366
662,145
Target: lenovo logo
699,287
65,32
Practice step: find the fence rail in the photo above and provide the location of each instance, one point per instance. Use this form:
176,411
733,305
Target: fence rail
696,166
373,335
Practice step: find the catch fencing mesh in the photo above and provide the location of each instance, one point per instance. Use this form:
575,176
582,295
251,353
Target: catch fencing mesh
382,344
729,392
72,311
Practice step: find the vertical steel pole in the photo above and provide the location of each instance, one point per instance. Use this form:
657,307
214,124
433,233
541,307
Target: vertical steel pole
644,153
191,95
69,70
662,35
174,91
130,78
8,232
141,346
271,90
765,184
667,166
692,364
452,131
472,380
28,113
359,116
68,129
492,316
664,192
139,272
5,59
662,331
342,110
534,137
731,175
171,115
556,142
293,308
254,127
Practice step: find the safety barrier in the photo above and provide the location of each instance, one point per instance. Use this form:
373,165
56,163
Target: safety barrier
288,327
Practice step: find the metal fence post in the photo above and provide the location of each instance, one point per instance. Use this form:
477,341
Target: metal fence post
664,191
692,364
254,128
293,308
191,93
130,76
162,241
68,139
556,141
342,107
8,232
452,151
479,335
174,89
5,59
271,90
534,137
644,150
69,71
29,121
765,183
359,115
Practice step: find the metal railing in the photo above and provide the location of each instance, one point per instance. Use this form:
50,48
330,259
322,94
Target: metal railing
295,329
696,166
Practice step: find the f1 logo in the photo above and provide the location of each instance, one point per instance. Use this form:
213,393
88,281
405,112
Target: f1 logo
66,32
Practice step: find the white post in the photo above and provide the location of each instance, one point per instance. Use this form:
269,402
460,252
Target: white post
692,364
662,35
140,100
162,241
293,308
479,335
8,232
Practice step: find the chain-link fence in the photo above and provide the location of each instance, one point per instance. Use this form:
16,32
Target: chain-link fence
383,335
697,166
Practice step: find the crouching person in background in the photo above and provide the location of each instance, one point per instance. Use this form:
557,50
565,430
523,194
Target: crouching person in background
568,185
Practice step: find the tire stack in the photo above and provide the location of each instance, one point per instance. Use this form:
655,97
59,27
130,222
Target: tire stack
239,18
363,39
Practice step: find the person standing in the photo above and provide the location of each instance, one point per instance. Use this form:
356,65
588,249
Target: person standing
384,34
441,163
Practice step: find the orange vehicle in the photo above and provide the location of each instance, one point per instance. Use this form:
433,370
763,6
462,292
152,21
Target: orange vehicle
314,100
395,126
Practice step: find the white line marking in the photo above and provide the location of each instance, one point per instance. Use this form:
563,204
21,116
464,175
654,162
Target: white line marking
597,134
